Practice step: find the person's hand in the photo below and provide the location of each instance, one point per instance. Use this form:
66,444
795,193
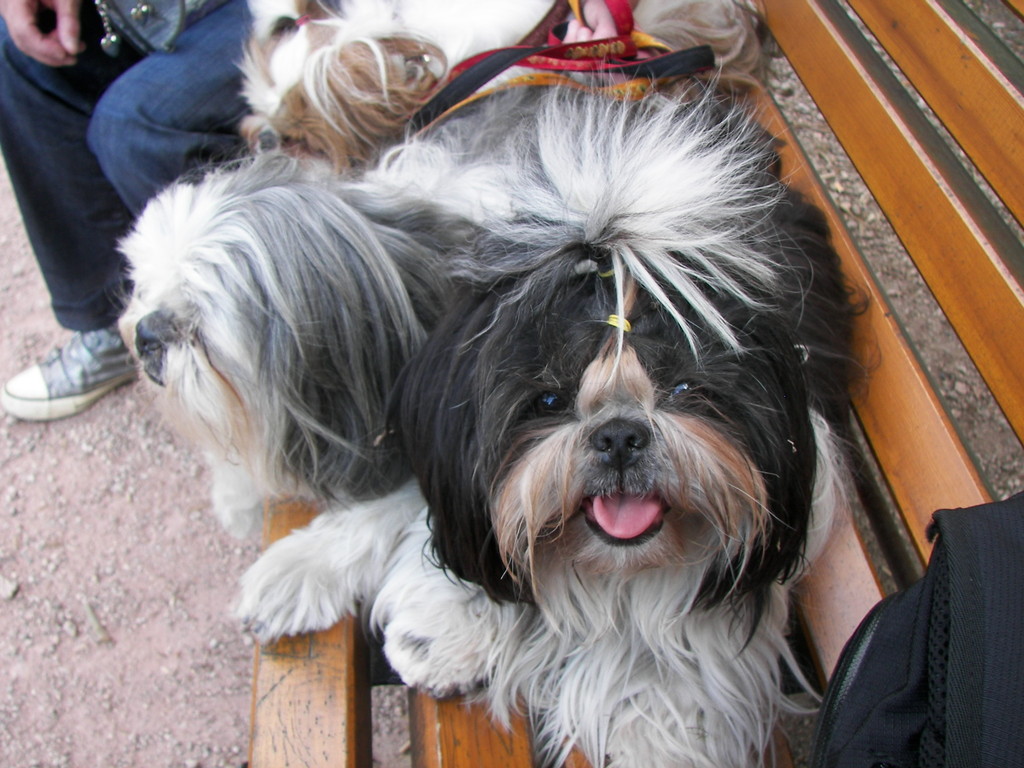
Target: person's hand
46,30
597,24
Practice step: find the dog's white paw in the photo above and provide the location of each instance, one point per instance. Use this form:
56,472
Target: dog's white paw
440,634
289,591
447,654
315,575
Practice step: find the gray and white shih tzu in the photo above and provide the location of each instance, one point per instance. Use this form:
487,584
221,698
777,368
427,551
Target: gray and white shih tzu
274,305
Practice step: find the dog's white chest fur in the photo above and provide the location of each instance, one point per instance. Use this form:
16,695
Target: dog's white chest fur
621,669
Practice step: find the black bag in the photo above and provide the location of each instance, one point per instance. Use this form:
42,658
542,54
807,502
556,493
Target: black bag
934,675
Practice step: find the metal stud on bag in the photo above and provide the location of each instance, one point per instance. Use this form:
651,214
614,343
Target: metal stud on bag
148,25
141,11
111,40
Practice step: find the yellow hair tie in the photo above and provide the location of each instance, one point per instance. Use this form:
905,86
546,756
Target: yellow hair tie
609,273
619,322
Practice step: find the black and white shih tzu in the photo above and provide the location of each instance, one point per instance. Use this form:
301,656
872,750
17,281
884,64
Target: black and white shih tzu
628,430
275,304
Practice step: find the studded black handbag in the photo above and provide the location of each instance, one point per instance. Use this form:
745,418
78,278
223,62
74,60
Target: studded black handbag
148,25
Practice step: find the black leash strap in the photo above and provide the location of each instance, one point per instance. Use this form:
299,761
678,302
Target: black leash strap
469,82
683,63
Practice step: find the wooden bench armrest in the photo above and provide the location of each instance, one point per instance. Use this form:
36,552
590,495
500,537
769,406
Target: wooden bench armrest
311,693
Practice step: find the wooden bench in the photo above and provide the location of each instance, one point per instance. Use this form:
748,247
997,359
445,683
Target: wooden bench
951,185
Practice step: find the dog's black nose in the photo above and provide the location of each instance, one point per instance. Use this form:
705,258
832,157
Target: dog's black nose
621,442
152,335
154,331
267,140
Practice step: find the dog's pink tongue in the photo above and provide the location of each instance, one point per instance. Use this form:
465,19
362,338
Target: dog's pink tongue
626,517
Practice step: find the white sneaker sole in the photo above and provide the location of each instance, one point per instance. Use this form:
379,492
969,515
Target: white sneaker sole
58,408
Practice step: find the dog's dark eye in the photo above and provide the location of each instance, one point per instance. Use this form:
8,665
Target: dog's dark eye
282,25
550,402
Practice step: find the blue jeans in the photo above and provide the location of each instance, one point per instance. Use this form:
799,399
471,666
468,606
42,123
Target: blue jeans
87,146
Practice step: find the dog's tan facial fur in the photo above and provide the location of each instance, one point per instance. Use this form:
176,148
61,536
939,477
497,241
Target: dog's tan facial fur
351,98
715,501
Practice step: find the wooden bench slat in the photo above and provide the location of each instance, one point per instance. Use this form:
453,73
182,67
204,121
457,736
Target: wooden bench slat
836,595
923,460
955,239
455,734
576,760
953,69
311,693
305,694
1017,6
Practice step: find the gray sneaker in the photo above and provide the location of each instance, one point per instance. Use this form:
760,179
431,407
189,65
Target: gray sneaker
71,378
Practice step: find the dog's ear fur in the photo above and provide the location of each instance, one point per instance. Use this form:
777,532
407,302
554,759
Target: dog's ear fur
434,410
773,425
380,289
797,366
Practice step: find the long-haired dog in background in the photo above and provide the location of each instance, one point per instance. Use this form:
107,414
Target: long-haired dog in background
341,81
628,430
275,304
